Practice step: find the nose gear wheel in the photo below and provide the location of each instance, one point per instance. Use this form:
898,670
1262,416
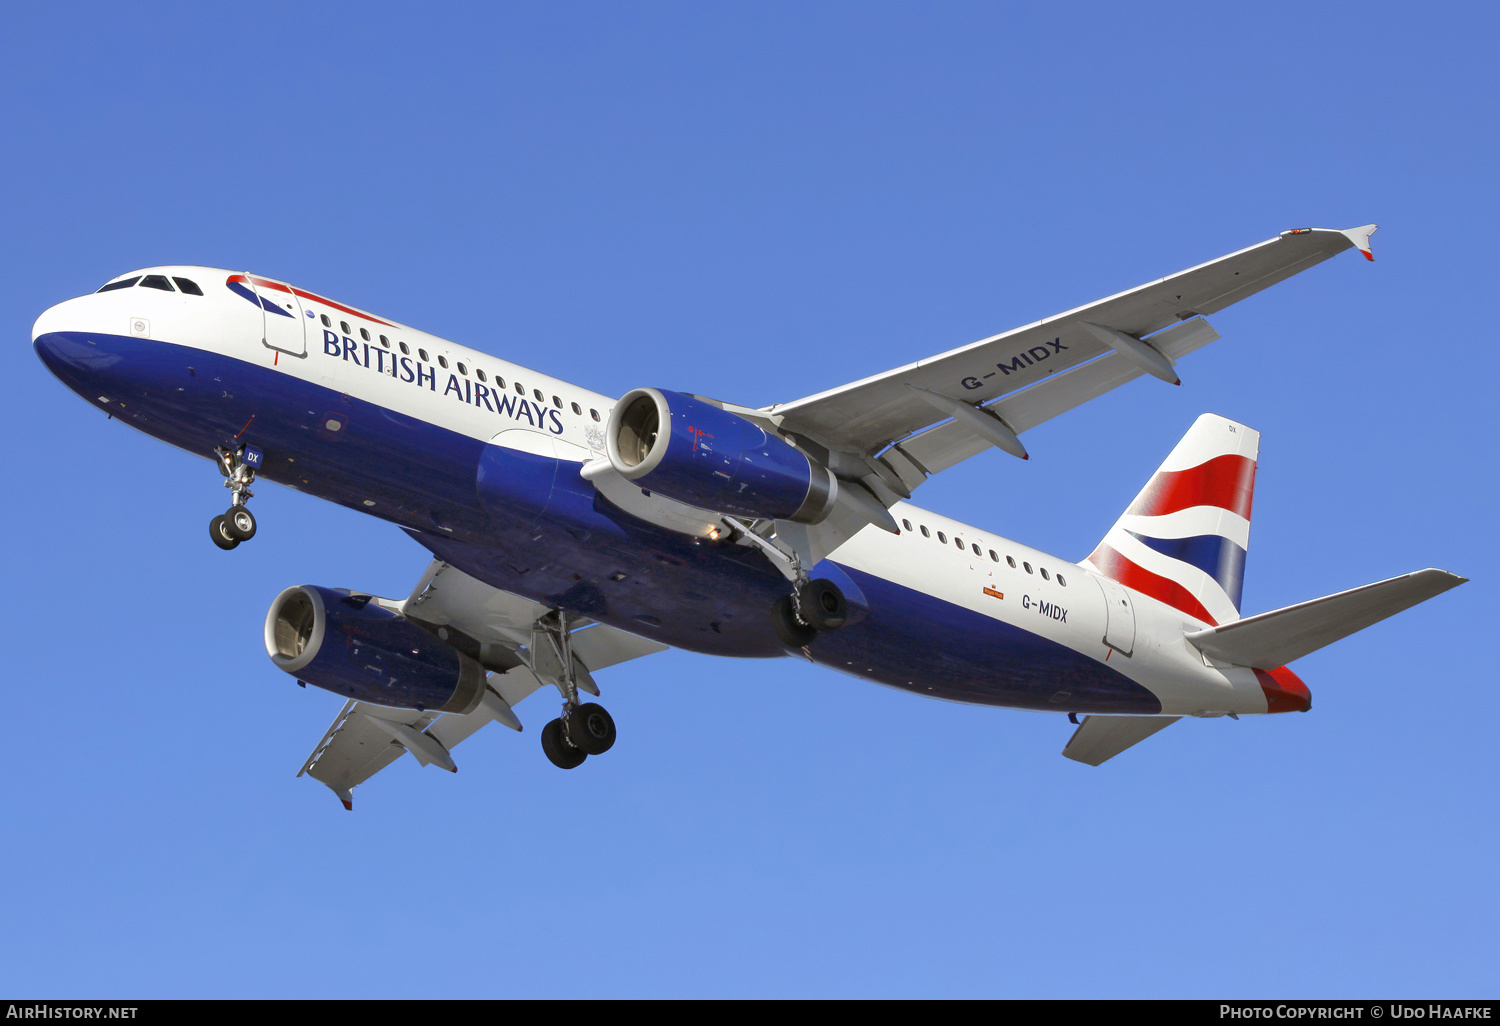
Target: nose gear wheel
237,523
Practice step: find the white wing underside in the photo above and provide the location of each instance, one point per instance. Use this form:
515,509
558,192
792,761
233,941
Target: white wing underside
356,747
1048,367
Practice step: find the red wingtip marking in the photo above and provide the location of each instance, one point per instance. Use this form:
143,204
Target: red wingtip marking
1027,456
1368,254
348,806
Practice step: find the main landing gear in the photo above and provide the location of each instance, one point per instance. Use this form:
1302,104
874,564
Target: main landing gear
585,728
815,607
237,523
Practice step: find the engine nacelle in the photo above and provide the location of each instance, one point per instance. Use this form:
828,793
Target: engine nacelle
697,453
350,645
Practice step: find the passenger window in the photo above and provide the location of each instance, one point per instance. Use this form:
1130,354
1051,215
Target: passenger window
188,286
1027,566
942,538
1012,561
976,551
959,542
404,351
422,355
994,556
345,325
577,409
326,322
120,284
479,373
364,333
385,341
538,393
925,533
1045,575
594,414
557,402
906,524
1061,581
443,362
520,388
157,281
463,370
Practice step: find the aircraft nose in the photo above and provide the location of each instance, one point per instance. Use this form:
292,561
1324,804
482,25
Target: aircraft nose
71,354
1284,690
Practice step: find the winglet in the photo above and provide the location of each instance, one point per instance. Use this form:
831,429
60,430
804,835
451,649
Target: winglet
1361,238
345,796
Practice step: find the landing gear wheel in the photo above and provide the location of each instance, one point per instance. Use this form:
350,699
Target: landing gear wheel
789,628
240,523
218,530
591,728
823,605
559,751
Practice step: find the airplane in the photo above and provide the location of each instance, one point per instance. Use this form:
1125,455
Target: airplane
571,531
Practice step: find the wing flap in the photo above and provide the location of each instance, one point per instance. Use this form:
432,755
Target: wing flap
354,749
1273,639
951,443
1100,738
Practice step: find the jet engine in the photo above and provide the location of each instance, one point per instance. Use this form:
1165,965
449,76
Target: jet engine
355,647
695,452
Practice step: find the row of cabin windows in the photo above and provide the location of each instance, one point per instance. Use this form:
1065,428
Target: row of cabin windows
186,286
364,333
994,556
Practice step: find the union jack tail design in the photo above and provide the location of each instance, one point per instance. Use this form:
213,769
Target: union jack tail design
1184,538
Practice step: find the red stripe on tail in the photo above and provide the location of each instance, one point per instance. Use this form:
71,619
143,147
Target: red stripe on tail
1137,578
1227,482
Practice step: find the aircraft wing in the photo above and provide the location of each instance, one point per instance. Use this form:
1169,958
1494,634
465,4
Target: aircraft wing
488,624
1057,355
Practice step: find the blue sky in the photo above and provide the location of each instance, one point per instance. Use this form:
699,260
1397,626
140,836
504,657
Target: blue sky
756,202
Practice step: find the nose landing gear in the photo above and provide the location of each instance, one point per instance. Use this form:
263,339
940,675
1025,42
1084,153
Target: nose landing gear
237,523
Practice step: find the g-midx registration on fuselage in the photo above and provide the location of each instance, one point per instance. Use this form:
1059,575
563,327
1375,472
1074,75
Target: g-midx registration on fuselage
571,530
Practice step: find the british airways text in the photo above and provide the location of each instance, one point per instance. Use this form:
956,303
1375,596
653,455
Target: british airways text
404,368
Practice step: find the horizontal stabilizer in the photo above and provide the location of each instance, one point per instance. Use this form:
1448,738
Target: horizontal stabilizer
1100,738
1276,638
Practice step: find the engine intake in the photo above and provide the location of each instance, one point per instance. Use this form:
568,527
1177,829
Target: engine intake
352,646
693,451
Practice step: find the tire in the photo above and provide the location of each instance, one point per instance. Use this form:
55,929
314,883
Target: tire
792,631
823,605
559,752
591,728
218,530
240,523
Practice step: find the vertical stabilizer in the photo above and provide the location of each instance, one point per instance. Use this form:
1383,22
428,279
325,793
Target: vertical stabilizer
1183,540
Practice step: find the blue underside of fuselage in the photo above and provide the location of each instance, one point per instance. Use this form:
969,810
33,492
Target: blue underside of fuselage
530,525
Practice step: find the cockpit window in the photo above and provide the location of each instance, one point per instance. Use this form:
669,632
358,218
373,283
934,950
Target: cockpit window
188,286
123,284
157,281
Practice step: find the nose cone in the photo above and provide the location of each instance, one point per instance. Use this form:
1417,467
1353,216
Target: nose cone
1284,690
69,351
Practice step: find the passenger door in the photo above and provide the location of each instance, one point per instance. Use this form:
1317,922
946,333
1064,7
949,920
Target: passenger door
285,323
1119,628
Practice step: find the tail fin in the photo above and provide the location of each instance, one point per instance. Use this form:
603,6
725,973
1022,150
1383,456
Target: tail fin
1183,540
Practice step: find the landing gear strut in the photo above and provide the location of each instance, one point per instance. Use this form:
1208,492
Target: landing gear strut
237,523
583,729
